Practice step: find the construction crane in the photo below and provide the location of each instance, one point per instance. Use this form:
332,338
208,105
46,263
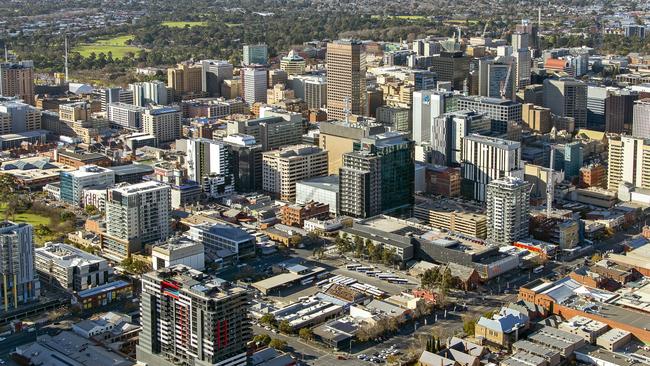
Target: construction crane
504,85
550,184
485,28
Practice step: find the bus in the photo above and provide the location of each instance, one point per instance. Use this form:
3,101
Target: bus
364,269
538,269
307,281
353,266
398,280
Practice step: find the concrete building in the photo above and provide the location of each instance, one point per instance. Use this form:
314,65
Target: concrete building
501,111
614,339
255,54
319,189
245,162
497,78
485,159
596,99
281,169
397,119
310,88
339,137
619,110
627,162
378,176
567,97
86,177
346,79
18,117
218,237
162,123
448,131
114,95
185,79
196,307
17,80
72,268
451,67
136,215
149,93
508,210
270,132
205,157
641,118
537,118
20,283
586,328
254,84
124,115
293,64
427,105
178,250
213,74
453,216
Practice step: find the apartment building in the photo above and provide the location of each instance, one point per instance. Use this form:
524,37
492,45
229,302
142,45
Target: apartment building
86,177
20,283
71,268
281,169
162,123
508,210
17,80
272,132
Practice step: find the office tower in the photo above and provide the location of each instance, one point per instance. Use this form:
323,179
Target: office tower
245,161
270,132
531,30
448,131
255,54
596,97
17,80
427,105
508,210
628,162
278,93
567,97
114,95
254,84
281,169
537,118
534,94
497,78
378,176
20,283
423,80
397,119
374,100
218,237
641,118
293,64
162,123
579,63
86,177
127,116
521,72
213,73
149,92
339,137
346,79
485,159
451,67
189,318
635,30
501,111
569,158
277,77
185,78
619,110
315,93
205,157
17,117
136,214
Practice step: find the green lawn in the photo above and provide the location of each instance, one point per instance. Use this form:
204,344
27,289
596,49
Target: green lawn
34,219
174,24
116,45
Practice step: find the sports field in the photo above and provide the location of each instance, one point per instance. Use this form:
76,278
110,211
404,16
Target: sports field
116,45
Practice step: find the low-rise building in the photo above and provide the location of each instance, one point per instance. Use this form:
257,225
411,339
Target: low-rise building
72,268
503,328
296,214
588,329
220,236
103,295
614,339
453,215
178,250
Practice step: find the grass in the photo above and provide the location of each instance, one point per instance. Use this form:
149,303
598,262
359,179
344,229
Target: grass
116,45
35,219
174,24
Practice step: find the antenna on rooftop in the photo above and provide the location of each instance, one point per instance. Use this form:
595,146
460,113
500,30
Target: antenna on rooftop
66,58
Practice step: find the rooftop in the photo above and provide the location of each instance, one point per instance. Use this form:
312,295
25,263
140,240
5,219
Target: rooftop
65,255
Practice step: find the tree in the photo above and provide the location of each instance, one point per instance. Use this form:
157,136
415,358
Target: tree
8,184
278,344
429,278
306,334
358,246
469,325
446,281
262,338
91,210
268,319
285,327
392,359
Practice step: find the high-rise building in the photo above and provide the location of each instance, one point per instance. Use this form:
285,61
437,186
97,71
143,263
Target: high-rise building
124,115
254,84
508,210
619,110
206,157
17,117
496,78
641,118
537,118
567,97
530,29
185,78
293,64
485,159
522,71
568,157
427,105
245,161
114,95
396,118
217,237
628,162
189,318
162,123
149,92
423,80
136,214
346,79
451,67
310,88
255,54
17,80
501,111
270,132
448,131
277,77
596,98
213,73
86,177
20,283
339,137
378,176
281,169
